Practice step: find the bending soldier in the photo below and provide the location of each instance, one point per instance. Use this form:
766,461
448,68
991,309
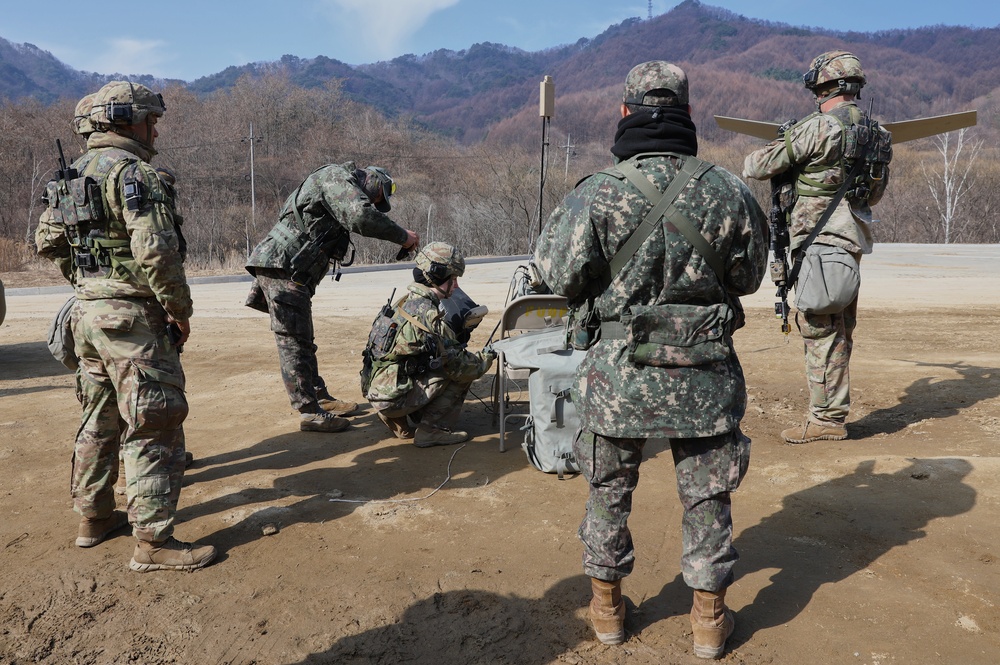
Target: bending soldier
314,229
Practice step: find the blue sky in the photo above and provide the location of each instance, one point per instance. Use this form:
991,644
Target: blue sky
187,39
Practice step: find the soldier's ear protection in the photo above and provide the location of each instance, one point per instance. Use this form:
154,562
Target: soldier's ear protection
121,113
438,273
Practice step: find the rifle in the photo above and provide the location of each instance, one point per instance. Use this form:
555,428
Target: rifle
782,200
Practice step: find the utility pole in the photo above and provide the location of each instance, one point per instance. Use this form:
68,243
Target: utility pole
253,195
569,149
546,107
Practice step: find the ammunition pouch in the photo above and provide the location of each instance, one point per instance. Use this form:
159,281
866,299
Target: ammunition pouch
675,335
75,202
309,264
583,327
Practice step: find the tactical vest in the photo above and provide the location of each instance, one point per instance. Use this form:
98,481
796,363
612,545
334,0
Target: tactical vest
861,138
100,245
378,352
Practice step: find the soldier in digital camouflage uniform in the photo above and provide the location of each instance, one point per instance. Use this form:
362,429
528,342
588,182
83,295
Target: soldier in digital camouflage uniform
120,251
314,229
696,402
422,373
813,149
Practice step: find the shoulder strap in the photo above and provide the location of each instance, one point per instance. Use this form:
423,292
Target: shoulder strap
834,202
692,168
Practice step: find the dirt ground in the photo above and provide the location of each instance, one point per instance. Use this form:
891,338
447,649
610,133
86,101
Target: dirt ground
878,549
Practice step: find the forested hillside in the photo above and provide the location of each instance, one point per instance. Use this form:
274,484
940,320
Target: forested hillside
461,132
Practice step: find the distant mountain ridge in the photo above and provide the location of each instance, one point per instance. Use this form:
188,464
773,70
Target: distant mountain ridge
738,66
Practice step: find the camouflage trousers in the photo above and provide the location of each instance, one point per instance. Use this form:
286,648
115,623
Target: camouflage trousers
707,470
828,341
434,401
131,386
290,307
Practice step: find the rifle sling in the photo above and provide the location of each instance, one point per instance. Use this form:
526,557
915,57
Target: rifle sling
793,275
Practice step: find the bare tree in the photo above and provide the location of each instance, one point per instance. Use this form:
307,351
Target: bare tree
953,182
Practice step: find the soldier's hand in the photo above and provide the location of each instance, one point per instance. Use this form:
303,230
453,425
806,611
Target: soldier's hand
486,357
412,241
183,326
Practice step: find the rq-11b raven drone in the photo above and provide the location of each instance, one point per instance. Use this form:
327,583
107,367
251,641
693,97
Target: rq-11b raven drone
903,131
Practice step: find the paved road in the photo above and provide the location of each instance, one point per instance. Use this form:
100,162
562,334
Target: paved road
897,275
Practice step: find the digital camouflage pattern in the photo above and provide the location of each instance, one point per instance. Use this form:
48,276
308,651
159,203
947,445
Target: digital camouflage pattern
616,397
403,381
331,203
656,75
129,380
290,307
131,386
707,471
816,145
622,403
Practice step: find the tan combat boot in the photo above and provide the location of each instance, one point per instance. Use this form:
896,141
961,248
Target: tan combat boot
711,622
426,436
399,426
337,407
607,611
93,532
811,431
170,554
323,422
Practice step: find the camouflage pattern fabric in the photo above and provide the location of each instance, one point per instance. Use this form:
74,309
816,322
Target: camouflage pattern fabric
151,265
828,340
130,382
816,145
290,307
436,394
621,403
129,373
616,397
330,202
656,75
707,470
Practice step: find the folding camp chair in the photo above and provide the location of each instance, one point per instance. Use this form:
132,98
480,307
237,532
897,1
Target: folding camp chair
524,314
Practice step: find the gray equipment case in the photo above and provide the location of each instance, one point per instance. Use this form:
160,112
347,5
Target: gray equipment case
551,425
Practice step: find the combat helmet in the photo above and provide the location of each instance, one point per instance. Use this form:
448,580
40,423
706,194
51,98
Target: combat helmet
82,124
123,103
438,261
376,179
839,67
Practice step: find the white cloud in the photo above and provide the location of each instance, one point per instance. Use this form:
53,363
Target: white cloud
132,56
385,26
